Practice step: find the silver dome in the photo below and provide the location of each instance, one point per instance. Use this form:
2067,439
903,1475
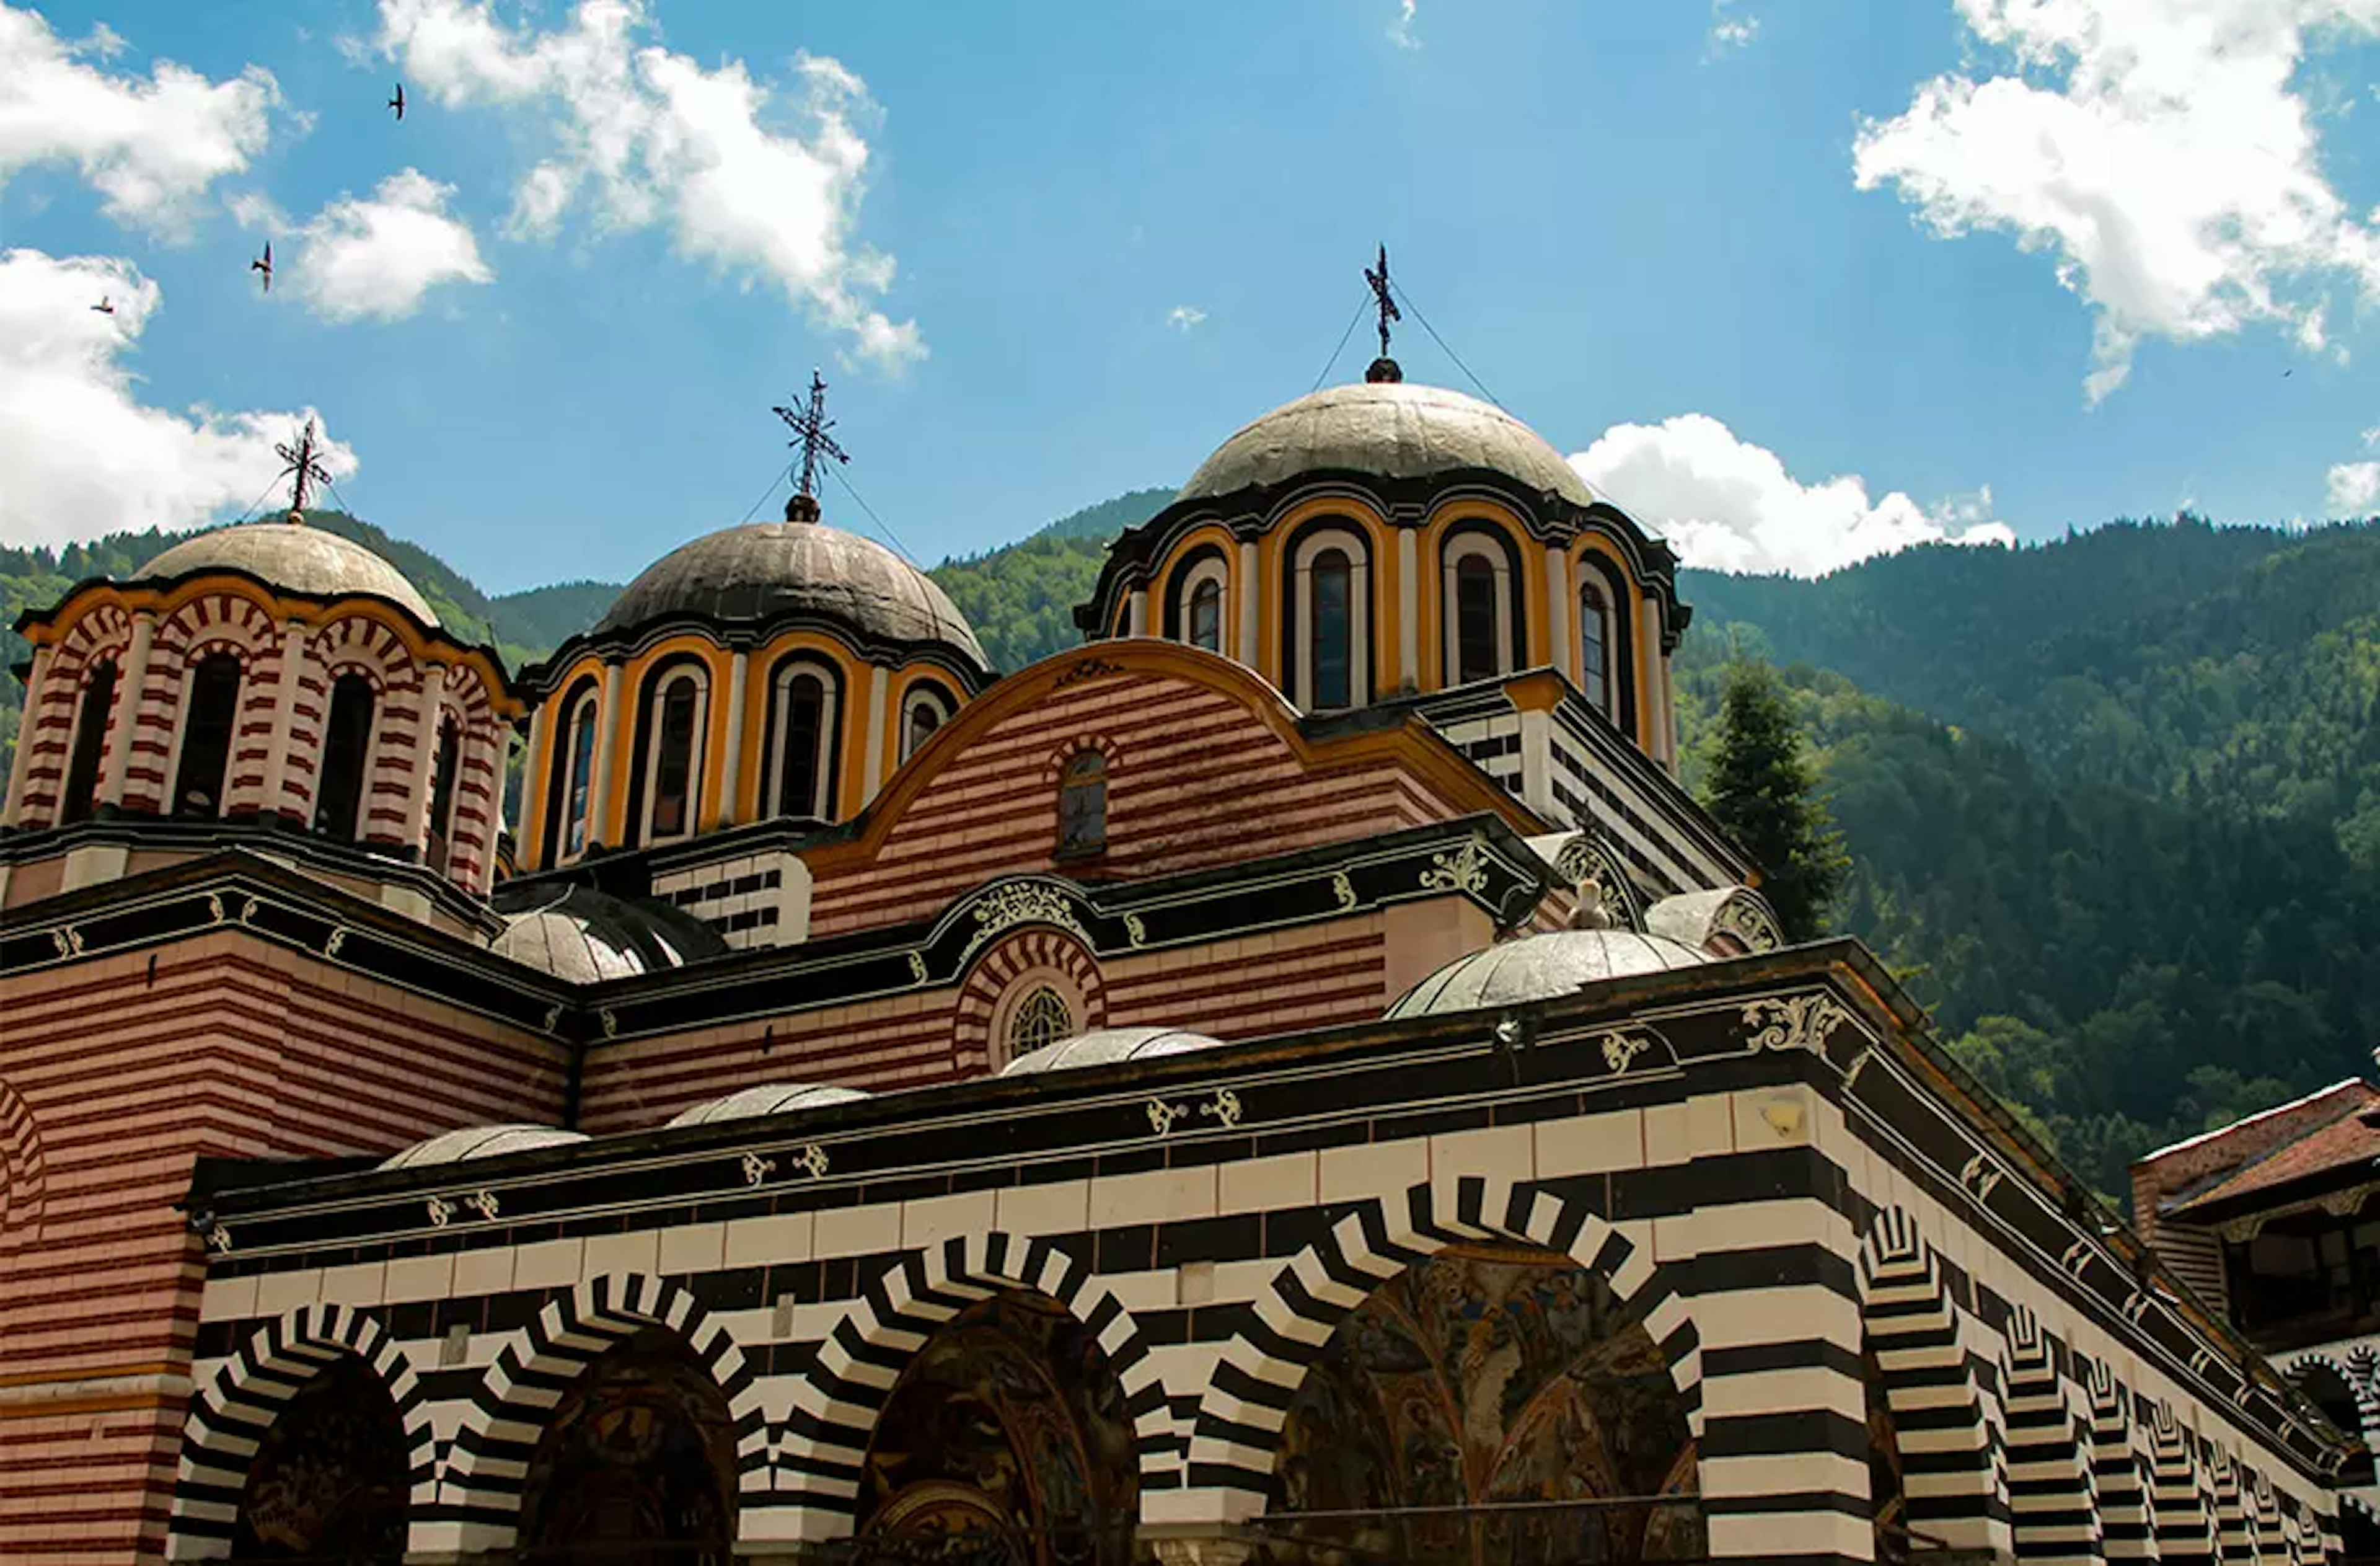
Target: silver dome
482,1142
1103,1046
296,557
1539,967
768,1099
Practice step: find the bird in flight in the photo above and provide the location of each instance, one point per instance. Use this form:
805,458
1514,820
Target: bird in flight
263,263
105,306
398,103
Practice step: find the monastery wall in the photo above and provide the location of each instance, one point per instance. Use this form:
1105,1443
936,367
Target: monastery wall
115,1075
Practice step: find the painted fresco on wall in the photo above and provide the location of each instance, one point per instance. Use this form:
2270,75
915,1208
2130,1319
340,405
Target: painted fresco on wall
637,1466
1888,1495
1487,1376
1005,1442
328,1480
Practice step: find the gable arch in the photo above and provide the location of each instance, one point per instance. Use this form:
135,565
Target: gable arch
1010,965
233,1412
835,1404
100,632
482,1486
1235,1437
1953,1461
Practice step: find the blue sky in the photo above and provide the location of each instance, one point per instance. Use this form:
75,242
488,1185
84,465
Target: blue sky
1045,254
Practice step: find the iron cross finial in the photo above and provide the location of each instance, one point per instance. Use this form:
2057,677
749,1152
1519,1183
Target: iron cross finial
809,425
301,467
1388,305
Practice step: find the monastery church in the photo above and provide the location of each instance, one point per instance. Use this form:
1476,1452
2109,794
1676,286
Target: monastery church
1294,1079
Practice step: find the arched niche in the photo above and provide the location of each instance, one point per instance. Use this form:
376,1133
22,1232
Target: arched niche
331,1480
636,1465
1451,1413
1006,1439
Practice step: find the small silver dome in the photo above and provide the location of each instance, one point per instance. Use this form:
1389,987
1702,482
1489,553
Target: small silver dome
585,936
768,1099
1103,1046
1539,967
294,556
765,569
482,1142
1391,429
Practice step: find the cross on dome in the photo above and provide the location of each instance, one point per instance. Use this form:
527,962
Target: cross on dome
1383,368
809,425
301,467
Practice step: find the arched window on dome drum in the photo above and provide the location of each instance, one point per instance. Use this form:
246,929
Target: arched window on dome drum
212,710
1041,1018
90,739
1475,620
803,721
579,777
923,713
1083,806
1333,629
1207,615
1595,648
442,793
347,758
669,779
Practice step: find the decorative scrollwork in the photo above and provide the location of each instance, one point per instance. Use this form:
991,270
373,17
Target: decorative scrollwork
1979,1176
611,1023
1135,931
757,1169
1459,869
1085,668
1620,1049
917,967
1224,1107
2076,1258
1343,890
813,1158
1161,1116
483,1203
338,938
68,941
440,1213
1794,1022
1750,923
214,908
553,1019
218,1237
1024,903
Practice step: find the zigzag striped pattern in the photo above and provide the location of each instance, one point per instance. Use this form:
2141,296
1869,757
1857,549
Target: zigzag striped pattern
489,1457
2050,1476
2185,1532
230,1416
1952,1456
2126,1531
825,1438
1239,1422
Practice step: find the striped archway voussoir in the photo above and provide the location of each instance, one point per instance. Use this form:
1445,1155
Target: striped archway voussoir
482,1486
836,1407
1237,1429
231,1414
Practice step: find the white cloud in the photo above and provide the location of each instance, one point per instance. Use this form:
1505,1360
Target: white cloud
643,137
2158,148
1731,31
80,453
151,146
1730,506
1401,32
1184,316
2354,489
378,258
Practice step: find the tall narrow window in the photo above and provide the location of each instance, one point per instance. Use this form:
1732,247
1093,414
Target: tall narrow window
670,783
1207,615
1595,649
923,715
442,793
89,738
206,736
1334,639
1475,620
804,721
578,782
1083,806
347,758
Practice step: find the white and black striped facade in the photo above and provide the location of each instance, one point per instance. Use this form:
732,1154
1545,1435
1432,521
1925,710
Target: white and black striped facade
1766,1160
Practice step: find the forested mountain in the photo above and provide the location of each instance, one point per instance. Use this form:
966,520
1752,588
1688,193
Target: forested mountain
2112,803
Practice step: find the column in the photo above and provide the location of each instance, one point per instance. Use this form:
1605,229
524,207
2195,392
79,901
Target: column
872,745
284,716
607,747
1648,655
477,789
422,784
532,824
731,758
1138,624
1408,673
1557,613
1250,646
13,812
125,723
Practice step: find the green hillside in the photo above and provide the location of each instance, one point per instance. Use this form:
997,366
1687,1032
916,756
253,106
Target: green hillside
2113,802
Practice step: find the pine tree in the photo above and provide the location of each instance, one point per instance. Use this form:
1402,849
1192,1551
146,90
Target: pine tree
1763,792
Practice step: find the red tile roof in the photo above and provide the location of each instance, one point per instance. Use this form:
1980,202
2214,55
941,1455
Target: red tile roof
2351,1141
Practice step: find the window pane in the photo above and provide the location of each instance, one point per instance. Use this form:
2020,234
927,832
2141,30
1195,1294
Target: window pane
1206,617
206,736
347,745
1475,619
798,760
441,793
1041,1018
582,768
90,735
674,766
1333,632
1083,806
924,719
1595,656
